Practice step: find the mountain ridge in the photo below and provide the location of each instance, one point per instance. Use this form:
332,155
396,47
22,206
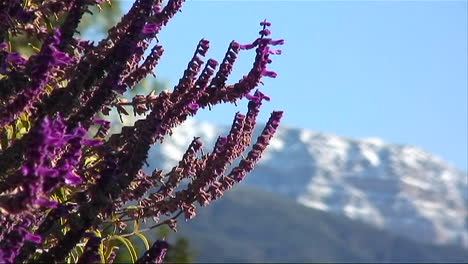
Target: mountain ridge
254,226
397,187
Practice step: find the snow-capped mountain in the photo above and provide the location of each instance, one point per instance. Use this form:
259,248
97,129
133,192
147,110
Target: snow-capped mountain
400,188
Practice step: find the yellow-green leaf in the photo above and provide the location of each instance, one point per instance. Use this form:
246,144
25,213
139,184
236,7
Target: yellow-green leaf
128,244
109,252
136,225
144,239
101,253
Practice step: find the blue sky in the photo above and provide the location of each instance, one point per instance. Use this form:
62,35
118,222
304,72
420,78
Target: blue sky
396,70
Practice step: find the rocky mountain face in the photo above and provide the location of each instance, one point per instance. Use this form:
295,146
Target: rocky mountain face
399,188
280,230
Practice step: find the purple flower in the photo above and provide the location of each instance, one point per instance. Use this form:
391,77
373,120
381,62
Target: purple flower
101,122
12,241
247,46
4,46
34,238
257,97
151,28
271,74
275,52
15,58
193,106
84,45
71,178
246,165
57,38
57,151
47,203
265,32
61,58
265,23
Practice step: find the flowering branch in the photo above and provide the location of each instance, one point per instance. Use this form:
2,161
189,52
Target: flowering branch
58,184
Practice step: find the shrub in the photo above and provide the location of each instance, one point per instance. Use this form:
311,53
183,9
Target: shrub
61,187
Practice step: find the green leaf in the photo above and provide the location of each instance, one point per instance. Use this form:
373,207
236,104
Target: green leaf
26,124
36,49
90,160
128,245
136,226
109,252
23,131
97,232
144,239
101,253
80,250
70,259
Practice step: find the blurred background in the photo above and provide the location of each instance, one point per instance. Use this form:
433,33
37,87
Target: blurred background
370,162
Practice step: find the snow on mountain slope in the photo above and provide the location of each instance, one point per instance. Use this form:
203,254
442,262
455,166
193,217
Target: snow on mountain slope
396,187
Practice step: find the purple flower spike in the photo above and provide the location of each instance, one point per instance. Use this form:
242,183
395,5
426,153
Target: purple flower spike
64,84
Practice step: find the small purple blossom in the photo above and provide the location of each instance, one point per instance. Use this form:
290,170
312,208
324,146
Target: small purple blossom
61,58
4,46
150,28
101,121
71,178
265,32
15,58
193,106
269,74
265,23
34,238
275,52
257,97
